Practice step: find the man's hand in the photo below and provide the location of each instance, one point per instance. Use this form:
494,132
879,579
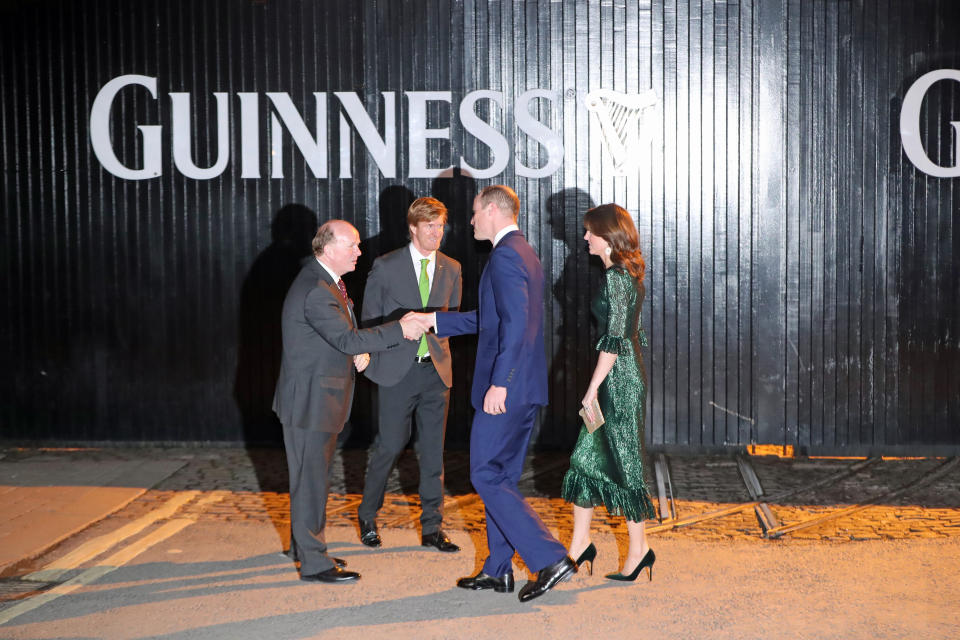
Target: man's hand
425,320
361,361
416,324
495,402
412,326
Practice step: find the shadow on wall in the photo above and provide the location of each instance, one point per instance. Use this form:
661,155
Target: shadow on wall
571,356
261,301
456,189
393,204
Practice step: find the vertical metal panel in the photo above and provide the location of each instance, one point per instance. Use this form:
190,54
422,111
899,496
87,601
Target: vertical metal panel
801,289
769,285
859,381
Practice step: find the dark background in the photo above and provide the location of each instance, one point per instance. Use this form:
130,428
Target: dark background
802,275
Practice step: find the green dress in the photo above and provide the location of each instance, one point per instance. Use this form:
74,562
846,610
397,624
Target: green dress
607,466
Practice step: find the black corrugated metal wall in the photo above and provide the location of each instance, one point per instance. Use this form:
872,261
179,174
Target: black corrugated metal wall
802,287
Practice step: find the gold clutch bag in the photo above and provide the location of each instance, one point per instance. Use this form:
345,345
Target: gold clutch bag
597,415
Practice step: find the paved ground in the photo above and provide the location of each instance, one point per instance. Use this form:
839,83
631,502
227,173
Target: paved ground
254,486
83,491
196,554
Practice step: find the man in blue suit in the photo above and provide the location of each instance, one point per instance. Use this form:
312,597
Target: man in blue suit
509,387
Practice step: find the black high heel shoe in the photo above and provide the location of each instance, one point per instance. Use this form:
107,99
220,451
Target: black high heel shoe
647,562
589,555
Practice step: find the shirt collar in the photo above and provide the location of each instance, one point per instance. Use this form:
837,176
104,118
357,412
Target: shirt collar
335,277
507,229
417,256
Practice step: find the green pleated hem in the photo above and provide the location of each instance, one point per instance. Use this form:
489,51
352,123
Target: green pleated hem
634,504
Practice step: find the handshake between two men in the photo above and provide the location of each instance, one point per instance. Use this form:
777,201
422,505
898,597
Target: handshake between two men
415,324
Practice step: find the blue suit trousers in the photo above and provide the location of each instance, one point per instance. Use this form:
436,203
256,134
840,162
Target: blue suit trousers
498,446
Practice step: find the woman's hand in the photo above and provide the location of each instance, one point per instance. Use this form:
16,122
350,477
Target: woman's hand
588,399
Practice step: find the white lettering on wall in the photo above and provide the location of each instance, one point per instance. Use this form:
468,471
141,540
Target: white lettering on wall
382,150
182,156
910,125
286,122
539,132
313,150
419,133
100,138
483,132
249,135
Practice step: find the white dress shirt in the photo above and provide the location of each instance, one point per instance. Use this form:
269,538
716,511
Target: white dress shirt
507,229
431,266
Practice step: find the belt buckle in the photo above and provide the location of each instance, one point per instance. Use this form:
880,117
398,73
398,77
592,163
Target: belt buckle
422,359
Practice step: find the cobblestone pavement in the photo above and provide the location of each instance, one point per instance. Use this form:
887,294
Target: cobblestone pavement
252,485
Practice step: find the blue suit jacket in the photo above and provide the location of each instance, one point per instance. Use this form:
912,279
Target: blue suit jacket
509,324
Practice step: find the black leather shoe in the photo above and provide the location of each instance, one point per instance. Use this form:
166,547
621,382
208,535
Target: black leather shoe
369,535
335,574
503,584
547,579
439,540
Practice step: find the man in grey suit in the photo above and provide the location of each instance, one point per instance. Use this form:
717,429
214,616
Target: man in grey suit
415,378
322,346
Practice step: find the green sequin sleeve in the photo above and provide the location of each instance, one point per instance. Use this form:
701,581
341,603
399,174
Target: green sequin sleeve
618,289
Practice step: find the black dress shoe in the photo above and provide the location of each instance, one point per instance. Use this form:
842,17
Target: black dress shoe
369,535
439,540
503,584
334,574
547,579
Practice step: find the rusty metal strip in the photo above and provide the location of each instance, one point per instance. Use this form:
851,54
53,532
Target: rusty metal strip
668,506
765,515
727,511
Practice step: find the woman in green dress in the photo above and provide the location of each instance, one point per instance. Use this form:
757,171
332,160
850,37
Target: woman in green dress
607,466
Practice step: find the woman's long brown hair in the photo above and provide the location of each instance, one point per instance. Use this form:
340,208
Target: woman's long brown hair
612,223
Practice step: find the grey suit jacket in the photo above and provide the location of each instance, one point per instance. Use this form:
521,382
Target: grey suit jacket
392,290
320,338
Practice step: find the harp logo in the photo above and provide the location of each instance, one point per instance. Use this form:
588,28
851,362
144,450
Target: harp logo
619,116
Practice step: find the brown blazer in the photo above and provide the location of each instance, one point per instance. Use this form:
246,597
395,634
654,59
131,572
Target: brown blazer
392,290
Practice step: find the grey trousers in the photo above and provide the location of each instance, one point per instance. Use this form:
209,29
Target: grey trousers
309,454
420,394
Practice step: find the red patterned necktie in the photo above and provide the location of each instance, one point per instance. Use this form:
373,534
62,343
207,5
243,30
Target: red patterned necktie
343,291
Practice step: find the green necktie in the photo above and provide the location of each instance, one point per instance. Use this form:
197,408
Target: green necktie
424,296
